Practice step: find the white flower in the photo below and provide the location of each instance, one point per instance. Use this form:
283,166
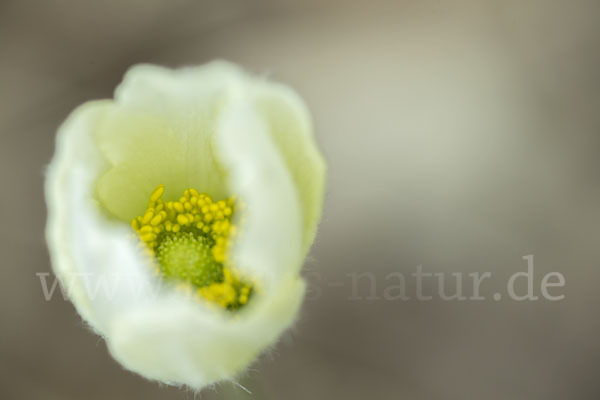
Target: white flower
222,132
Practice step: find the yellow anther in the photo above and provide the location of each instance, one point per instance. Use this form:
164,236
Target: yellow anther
157,193
148,216
178,206
134,224
182,219
157,219
145,229
148,237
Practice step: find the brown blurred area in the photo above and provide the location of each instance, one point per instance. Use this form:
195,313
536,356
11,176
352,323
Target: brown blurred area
460,136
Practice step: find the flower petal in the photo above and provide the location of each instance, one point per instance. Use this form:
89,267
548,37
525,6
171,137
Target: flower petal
175,342
161,132
290,127
89,254
269,246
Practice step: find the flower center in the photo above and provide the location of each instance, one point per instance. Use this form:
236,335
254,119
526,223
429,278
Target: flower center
189,241
187,257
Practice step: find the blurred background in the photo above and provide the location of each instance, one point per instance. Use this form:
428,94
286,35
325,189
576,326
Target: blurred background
460,136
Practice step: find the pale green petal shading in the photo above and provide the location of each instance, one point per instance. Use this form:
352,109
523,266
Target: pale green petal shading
57,187
157,134
290,128
175,342
270,244
88,252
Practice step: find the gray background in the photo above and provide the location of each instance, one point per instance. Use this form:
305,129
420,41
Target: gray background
460,136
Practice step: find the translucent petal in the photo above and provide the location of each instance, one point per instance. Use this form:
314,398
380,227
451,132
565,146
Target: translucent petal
92,256
269,246
161,132
290,128
178,343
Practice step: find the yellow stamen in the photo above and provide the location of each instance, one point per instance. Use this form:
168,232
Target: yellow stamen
190,240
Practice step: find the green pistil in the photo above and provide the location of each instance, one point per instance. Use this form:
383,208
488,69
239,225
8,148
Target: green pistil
187,257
